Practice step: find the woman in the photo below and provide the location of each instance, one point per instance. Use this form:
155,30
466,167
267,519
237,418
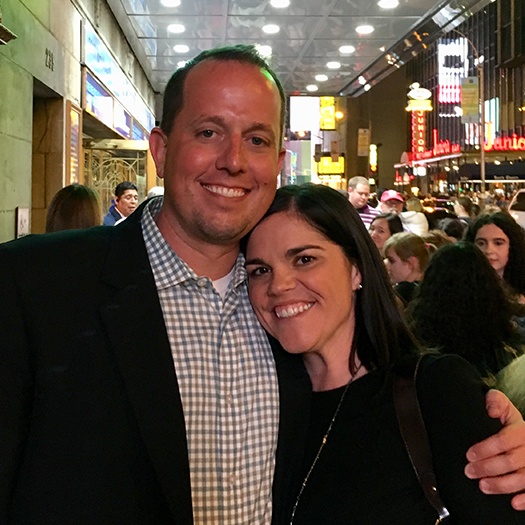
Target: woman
318,285
414,219
502,240
383,226
406,257
454,309
73,207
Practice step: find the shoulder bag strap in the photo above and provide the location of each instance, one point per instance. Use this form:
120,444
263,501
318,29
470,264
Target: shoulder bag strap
415,437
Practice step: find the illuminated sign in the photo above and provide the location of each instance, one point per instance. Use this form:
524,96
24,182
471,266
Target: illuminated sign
470,100
419,105
512,143
419,128
327,113
453,65
440,147
373,158
326,166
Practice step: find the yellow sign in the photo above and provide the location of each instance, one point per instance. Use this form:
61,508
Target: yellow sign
327,113
419,105
326,166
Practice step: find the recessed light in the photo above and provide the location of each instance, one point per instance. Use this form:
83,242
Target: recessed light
311,87
333,65
382,49
176,28
321,78
367,87
181,48
362,80
263,50
170,3
346,50
182,63
364,29
280,4
271,29
388,4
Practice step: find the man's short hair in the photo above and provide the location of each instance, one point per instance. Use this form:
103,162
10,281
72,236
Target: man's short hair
173,100
354,181
123,187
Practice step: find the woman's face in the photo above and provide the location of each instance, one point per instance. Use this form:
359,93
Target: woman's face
495,244
397,269
301,285
380,232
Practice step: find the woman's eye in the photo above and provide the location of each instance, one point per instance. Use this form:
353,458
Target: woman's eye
257,272
305,259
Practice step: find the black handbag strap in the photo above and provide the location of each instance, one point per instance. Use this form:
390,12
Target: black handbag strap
415,437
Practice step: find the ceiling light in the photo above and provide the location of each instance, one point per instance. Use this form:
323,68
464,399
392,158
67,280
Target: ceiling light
382,49
271,29
176,28
388,4
170,3
321,78
311,87
346,50
182,63
367,87
181,48
362,80
333,65
280,3
263,50
365,29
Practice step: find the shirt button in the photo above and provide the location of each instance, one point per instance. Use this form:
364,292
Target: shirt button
202,281
229,399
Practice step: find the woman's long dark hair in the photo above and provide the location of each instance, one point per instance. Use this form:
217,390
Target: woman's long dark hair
514,272
381,335
462,308
394,222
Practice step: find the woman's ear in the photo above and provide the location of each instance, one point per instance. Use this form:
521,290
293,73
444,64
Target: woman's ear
413,262
356,277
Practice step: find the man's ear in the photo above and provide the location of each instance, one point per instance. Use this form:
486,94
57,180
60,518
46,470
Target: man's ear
157,146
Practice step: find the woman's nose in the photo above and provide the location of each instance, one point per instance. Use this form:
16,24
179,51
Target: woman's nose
281,281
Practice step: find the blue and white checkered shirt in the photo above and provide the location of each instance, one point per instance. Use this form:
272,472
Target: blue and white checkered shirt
228,385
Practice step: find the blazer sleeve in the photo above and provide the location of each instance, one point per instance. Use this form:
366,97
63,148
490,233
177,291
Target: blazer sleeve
452,399
16,383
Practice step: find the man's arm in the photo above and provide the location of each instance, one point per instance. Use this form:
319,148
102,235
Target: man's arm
499,461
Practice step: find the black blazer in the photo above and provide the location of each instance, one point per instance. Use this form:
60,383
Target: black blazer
91,423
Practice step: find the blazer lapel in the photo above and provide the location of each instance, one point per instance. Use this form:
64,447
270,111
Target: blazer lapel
135,325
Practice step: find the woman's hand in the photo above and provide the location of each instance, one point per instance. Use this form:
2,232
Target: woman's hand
499,461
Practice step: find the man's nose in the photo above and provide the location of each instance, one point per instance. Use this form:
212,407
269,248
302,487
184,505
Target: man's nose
233,156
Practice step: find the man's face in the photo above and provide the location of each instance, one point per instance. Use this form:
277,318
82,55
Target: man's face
394,206
127,202
359,196
221,160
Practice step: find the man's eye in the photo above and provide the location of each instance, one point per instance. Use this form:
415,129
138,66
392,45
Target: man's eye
207,133
258,141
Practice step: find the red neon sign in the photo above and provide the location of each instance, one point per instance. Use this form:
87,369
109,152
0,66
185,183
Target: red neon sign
440,147
419,127
512,143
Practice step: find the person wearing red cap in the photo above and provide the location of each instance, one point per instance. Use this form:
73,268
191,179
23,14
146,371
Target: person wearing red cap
393,200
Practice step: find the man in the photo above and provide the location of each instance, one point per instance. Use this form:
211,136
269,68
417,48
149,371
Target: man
137,386
126,201
358,194
393,201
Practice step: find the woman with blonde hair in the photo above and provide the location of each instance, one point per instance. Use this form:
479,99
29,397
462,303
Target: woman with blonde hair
406,258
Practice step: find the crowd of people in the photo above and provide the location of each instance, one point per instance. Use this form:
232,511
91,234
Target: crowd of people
226,354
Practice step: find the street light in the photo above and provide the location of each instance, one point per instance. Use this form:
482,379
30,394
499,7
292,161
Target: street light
481,101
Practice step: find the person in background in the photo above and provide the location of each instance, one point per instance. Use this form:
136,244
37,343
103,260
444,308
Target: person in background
155,191
351,335
414,219
358,194
73,207
463,208
393,201
125,203
382,227
454,309
502,240
406,257
438,238
453,227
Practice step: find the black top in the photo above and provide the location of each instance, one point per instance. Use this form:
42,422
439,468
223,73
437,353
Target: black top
364,476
